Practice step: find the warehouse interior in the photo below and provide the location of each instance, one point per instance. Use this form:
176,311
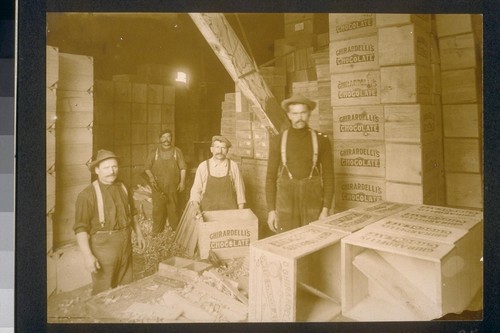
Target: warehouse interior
115,80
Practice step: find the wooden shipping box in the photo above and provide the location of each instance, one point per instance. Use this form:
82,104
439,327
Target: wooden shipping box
412,123
461,120
139,134
52,70
462,155
50,183
389,276
359,157
228,233
359,88
458,52
464,190
76,72
169,95
73,154
139,92
73,175
460,86
103,91
404,45
349,221
358,122
50,147
455,24
75,135
305,26
354,191
70,273
422,20
357,54
295,276
182,269
346,26
382,209
155,93
430,191
406,84
74,101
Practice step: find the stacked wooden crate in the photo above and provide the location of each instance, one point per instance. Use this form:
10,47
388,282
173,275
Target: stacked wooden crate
358,123
73,139
413,132
228,119
129,117
460,43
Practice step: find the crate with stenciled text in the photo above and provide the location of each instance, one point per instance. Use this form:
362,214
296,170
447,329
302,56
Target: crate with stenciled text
357,54
404,45
294,276
406,84
379,264
358,88
354,191
358,122
346,26
359,157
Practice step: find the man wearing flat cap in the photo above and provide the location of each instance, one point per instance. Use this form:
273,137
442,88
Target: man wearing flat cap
299,181
166,169
218,184
105,215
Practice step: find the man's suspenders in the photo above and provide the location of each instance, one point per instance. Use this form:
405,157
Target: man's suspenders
315,151
100,202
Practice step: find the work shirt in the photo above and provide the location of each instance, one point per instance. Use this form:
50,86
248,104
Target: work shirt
299,152
118,209
217,169
165,154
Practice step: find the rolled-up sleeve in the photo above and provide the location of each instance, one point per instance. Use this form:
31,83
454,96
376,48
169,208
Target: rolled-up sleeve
84,213
197,188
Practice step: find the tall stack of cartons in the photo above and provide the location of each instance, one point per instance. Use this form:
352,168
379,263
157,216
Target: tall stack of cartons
414,159
358,120
228,119
73,139
460,46
128,119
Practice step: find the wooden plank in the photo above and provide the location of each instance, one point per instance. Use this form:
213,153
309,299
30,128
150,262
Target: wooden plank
348,221
382,209
383,274
357,54
52,70
240,66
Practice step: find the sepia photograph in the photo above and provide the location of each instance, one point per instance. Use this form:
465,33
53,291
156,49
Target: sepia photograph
224,167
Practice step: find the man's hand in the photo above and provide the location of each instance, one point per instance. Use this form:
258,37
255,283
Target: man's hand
91,263
181,187
272,221
323,214
141,242
154,184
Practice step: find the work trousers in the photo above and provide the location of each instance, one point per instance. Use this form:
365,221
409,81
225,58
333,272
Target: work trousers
164,205
298,201
113,250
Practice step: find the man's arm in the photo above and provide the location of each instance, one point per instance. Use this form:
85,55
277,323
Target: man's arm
326,161
271,177
91,262
239,186
141,242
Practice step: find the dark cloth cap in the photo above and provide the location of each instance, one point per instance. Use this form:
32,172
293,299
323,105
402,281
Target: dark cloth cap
102,155
164,132
221,139
298,99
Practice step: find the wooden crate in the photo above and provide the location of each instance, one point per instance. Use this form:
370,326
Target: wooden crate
357,54
123,91
75,119
169,95
358,122
155,93
228,233
408,162
71,154
168,114
75,135
349,221
422,20
464,190
76,72
139,93
122,113
182,269
294,276
379,264
354,191
103,91
52,69
462,155
458,52
305,26
459,86
74,101
430,191
404,45
73,175
412,123
154,113
359,88
382,209
345,26
461,121
454,24
139,134
360,157
139,113
406,84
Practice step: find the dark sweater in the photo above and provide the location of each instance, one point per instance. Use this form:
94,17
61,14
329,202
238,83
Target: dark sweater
299,152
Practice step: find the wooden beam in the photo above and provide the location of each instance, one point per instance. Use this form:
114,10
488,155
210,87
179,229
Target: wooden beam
241,67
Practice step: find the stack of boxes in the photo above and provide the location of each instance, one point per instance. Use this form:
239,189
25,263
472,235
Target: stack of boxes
73,138
129,117
460,42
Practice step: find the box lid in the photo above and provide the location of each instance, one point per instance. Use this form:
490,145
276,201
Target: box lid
348,221
299,242
384,208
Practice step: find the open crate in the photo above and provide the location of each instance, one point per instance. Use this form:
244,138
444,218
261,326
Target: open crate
412,265
295,276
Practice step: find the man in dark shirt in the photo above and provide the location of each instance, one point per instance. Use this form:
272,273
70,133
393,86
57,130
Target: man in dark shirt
105,215
299,182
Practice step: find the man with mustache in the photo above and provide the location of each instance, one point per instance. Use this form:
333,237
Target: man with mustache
105,215
166,169
299,181
218,184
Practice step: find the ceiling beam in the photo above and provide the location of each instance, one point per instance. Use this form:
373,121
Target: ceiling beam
241,67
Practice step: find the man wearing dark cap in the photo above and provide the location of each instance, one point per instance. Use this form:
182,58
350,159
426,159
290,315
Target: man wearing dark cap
166,169
218,184
299,182
105,215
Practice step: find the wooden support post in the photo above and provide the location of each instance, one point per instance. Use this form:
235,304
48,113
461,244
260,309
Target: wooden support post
241,67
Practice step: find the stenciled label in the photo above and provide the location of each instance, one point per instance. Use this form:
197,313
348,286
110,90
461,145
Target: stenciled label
361,192
354,25
360,157
354,88
400,242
